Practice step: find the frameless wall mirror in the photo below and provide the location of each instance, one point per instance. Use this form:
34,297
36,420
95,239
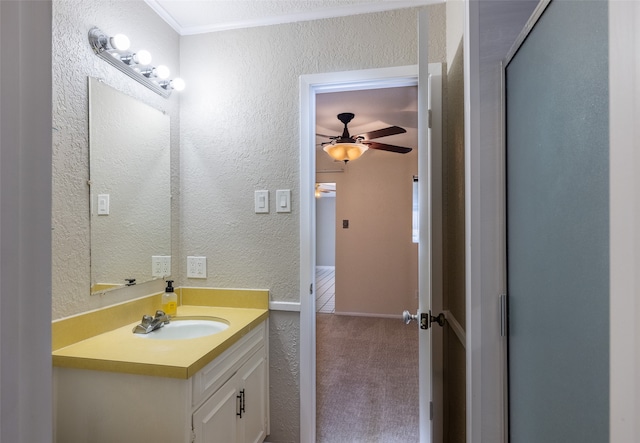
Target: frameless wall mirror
130,192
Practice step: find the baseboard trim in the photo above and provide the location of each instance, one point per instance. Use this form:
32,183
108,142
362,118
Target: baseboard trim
459,330
288,306
367,314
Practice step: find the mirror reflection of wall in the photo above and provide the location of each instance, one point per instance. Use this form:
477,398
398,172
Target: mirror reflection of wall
130,192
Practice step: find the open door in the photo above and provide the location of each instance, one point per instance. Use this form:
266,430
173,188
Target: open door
429,317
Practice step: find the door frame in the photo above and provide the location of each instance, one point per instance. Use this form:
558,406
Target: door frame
489,32
310,85
624,185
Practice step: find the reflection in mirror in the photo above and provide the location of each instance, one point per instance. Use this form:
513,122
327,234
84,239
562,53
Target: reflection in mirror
130,188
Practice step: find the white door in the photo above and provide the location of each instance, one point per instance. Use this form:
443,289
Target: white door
429,247
429,251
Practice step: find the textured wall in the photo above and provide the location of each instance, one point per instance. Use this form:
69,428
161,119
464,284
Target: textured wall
73,61
240,119
239,133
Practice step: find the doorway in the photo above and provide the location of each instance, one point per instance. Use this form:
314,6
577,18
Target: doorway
310,86
375,259
366,360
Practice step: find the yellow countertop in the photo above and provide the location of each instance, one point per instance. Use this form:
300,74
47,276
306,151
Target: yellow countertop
120,350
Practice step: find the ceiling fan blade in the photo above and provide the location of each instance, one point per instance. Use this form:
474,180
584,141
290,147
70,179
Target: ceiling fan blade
326,136
390,148
391,130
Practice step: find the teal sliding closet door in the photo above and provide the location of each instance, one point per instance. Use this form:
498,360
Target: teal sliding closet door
557,161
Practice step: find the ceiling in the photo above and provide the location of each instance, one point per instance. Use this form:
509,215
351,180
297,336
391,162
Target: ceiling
189,17
373,109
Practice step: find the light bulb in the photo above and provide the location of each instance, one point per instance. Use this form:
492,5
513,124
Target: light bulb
142,57
178,84
162,71
120,42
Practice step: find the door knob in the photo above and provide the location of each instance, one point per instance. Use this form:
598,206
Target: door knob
424,319
440,318
407,317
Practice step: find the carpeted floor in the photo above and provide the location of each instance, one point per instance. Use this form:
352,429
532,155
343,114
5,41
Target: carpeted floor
367,380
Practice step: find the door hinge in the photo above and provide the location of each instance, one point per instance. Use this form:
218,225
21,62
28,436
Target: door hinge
311,289
504,318
431,410
429,114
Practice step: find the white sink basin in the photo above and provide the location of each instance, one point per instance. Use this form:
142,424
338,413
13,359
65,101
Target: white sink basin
185,329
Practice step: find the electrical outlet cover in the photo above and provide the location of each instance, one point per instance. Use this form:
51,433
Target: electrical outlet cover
160,265
196,267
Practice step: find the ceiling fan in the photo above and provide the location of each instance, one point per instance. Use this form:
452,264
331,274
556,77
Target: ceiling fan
345,146
325,188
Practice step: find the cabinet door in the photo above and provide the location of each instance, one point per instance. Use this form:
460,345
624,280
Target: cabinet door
253,380
216,421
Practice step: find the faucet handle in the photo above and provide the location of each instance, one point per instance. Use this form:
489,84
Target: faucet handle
162,316
146,320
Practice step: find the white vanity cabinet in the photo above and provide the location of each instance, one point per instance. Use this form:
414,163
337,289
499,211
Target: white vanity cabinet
225,402
241,400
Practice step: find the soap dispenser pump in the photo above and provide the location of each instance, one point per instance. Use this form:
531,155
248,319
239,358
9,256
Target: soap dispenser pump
169,299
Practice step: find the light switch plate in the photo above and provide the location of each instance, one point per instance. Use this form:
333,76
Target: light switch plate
283,200
103,204
262,202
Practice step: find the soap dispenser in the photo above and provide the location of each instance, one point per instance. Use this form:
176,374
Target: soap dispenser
169,300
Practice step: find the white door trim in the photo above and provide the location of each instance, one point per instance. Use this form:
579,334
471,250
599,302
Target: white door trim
624,146
490,30
310,85
25,222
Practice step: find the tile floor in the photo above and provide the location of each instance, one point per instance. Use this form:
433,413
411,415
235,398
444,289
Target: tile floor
325,289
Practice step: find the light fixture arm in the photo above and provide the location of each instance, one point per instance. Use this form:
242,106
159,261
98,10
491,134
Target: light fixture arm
101,45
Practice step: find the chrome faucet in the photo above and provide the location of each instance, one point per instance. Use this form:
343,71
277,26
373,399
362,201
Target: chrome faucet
149,324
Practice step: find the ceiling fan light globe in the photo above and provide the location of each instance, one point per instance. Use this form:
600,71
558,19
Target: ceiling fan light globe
337,152
345,151
354,152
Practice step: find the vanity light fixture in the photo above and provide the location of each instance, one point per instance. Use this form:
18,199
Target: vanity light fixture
115,51
142,57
